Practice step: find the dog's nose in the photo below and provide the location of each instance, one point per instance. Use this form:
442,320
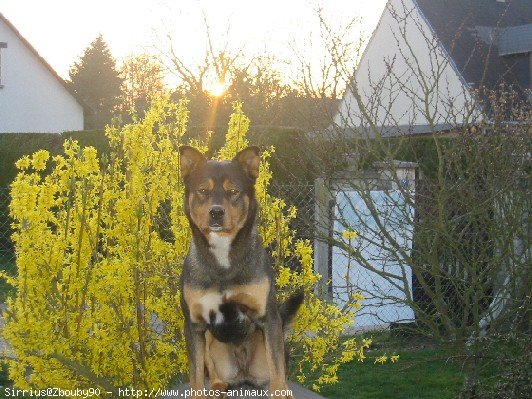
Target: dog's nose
217,212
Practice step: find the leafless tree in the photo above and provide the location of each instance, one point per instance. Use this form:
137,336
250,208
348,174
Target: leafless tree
443,240
218,60
142,78
335,42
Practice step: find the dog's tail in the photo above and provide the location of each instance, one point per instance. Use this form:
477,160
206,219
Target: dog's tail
289,308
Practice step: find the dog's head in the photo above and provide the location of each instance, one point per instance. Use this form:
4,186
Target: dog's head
219,195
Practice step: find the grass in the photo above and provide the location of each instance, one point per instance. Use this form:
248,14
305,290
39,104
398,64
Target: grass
421,373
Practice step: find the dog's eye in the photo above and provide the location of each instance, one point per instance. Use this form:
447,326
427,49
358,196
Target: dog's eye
203,191
232,192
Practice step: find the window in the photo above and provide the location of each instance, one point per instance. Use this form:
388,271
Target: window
2,45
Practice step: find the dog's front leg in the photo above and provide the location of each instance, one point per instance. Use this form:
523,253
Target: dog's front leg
195,340
275,356
215,382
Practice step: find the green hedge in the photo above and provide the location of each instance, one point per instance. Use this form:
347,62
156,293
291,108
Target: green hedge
286,140
419,149
86,138
15,145
292,159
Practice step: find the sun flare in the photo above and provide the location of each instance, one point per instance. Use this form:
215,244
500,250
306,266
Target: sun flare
217,89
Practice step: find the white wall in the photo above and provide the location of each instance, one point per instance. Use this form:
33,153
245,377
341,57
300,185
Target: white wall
384,298
392,94
32,99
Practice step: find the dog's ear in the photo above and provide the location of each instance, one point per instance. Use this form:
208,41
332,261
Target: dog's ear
249,159
189,159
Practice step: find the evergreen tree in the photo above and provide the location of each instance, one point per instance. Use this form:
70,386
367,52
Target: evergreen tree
97,81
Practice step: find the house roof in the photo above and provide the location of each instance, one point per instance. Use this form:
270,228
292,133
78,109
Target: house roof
516,40
488,40
43,62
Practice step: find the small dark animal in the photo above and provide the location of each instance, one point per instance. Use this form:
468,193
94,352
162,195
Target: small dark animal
237,325
239,321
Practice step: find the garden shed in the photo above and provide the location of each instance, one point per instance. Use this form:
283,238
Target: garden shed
341,205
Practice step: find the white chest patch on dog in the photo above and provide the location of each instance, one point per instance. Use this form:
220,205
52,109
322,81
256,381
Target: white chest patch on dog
211,303
220,246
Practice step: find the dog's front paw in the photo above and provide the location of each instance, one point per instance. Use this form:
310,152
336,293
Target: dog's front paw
218,386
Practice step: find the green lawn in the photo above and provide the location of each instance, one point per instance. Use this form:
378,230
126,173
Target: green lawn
420,373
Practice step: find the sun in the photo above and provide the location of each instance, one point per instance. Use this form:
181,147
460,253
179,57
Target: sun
217,89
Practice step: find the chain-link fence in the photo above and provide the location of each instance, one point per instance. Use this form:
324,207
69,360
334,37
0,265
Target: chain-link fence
7,252
300,195
6,246
342,274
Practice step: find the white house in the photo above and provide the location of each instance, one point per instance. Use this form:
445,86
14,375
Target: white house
33,98
418,75
425,58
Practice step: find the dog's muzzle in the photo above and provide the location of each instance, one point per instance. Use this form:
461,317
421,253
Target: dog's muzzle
216,215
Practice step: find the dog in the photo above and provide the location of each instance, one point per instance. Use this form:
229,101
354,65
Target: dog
226,262
240,363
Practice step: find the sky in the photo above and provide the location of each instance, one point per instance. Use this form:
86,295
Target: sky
60,30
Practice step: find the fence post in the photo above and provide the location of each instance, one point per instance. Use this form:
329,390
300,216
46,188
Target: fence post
323,228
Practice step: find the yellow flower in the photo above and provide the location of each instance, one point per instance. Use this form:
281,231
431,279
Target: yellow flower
349,234
23,163
394,358
94,246
283,278
357,296
381,359
90,156
39,159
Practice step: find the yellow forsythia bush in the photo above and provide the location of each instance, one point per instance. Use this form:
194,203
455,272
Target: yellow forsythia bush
100,242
